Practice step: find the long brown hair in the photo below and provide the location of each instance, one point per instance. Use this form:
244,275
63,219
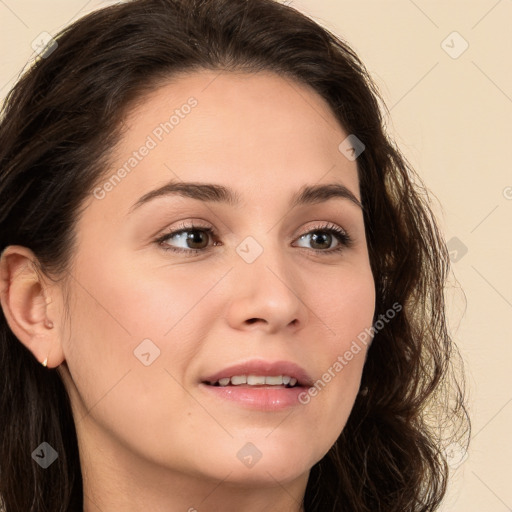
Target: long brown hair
59,124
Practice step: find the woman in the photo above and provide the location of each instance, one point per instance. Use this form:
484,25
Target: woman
233,285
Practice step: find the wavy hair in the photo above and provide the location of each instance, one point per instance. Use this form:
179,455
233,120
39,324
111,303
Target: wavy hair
58,127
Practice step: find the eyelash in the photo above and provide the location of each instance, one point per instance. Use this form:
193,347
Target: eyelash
344,239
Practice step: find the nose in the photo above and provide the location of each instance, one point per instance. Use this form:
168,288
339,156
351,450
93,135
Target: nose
267,294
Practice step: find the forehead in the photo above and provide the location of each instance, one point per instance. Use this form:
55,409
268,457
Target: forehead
257,132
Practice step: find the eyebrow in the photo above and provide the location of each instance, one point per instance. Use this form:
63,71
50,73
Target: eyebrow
210,192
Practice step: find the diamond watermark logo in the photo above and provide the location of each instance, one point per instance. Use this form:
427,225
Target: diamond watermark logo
455,455
351,147
454,45
457,249
44,45
249,455
249,250
45,455
146,352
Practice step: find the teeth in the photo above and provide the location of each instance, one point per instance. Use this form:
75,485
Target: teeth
257,380
274,380
238,379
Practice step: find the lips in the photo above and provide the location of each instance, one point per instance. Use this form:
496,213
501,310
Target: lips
260,373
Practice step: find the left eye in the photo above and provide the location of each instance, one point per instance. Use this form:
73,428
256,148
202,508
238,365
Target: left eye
197,236
322,238
196,239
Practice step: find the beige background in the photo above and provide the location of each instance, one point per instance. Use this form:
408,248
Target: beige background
451,117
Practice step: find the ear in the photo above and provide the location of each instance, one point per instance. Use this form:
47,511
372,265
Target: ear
26,300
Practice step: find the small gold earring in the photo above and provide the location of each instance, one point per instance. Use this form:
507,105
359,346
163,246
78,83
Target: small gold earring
45,362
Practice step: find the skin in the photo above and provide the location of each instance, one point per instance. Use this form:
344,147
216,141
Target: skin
149,438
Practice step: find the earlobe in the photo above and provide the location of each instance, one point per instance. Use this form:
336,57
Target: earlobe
25,300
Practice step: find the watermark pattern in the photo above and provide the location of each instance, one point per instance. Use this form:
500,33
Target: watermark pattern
455,455
454,45
456,249
249,455
249,249
44,45
147,352
351,147
157,135
45,455
343,360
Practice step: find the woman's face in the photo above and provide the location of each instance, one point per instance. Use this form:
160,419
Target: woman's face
154,316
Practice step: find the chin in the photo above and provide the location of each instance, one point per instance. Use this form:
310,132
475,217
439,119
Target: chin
268,473
276,460
260,460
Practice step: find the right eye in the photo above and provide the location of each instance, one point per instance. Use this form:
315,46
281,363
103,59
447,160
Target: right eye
188,235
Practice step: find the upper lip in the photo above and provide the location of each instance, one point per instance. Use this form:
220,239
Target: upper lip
265,368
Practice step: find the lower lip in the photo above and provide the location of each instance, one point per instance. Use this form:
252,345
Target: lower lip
259,398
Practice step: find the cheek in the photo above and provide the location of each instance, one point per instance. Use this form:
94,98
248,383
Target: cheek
124,317
118,325
123,300
346,309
